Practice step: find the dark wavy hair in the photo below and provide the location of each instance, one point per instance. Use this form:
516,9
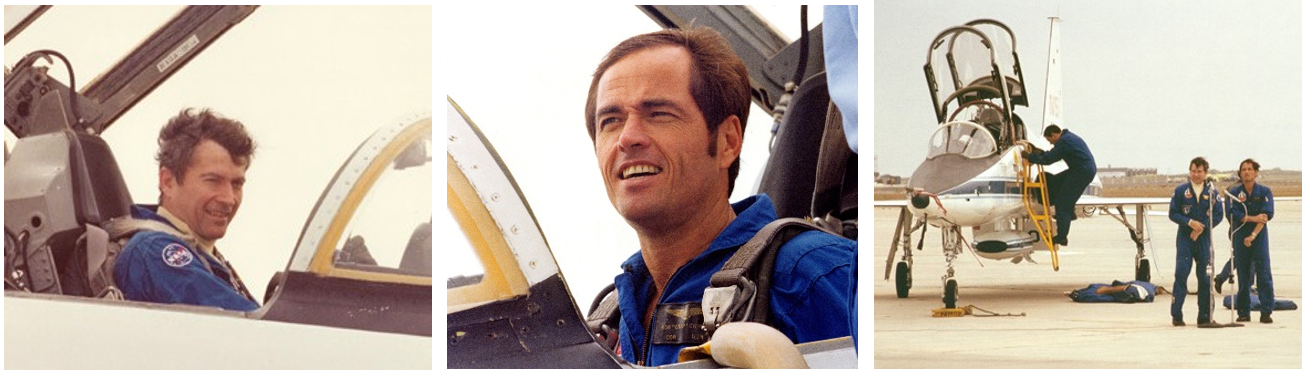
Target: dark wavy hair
1201,162
1250,161
177,140
720,85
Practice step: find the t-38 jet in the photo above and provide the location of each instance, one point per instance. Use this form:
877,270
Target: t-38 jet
974,175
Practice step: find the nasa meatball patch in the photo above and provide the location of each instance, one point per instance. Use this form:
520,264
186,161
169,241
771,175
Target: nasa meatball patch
176,255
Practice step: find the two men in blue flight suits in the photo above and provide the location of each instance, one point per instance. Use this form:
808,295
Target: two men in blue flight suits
1196,210
202,161
1064,189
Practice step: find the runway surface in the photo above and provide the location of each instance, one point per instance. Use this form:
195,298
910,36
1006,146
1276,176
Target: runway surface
1059,333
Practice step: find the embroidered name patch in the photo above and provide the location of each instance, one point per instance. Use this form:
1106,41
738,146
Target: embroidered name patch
176,255
679,324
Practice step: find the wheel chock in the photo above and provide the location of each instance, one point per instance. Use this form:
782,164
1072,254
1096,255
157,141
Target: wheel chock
952,312
967,310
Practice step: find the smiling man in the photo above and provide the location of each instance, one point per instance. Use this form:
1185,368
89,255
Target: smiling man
666,112
1196,209
173,257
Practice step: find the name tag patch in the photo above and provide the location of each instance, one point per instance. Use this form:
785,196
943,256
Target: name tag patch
679,324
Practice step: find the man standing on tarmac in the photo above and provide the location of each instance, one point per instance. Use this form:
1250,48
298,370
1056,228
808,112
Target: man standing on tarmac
1193,206
666,112
1249,216
1066,187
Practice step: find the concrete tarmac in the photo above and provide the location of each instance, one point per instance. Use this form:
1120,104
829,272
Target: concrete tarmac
1060,333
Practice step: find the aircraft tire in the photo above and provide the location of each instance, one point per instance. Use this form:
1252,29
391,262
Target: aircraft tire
903,280
1143,271
952,290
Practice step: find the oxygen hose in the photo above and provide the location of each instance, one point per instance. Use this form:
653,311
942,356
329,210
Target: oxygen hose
791,87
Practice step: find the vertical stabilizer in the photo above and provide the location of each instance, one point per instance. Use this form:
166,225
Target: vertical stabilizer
1053,106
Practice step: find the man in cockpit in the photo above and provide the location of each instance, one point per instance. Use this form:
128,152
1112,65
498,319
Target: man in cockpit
1064,189
173,258
666,112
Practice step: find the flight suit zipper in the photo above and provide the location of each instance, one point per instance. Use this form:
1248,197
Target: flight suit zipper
647,338
647,330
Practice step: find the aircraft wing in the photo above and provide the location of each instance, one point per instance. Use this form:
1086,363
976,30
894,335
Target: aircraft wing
1095,202
889,203
1118,201
1083,202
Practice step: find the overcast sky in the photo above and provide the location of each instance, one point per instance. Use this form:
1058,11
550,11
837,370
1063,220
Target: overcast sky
1147,84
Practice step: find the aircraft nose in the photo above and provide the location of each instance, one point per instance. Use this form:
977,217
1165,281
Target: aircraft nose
919,200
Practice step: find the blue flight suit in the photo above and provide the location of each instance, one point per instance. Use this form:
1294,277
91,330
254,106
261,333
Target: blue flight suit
1137,291
1067,186
1227,266
1252,263
1184,207
158,267
809,291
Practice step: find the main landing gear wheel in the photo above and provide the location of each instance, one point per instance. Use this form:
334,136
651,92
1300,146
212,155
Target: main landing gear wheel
952,288
903,280
1143,271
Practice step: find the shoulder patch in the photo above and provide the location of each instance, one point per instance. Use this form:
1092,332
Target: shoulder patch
1188,193
1241,197
176,255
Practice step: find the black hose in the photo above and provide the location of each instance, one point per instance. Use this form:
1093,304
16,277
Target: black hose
72,82
805,45
601,295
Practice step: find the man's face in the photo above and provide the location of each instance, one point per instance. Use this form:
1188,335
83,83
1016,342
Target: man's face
1054,138
1198,173
208,196
652,139
1247,173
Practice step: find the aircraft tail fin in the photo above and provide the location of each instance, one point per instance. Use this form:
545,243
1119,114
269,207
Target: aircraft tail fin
1053,106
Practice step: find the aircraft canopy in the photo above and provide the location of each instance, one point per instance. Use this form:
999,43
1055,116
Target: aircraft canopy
964,138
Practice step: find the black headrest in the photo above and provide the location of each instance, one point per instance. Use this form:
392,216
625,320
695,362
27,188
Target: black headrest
789,176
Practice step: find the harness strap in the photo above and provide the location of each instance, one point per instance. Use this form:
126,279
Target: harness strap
103,245
99,252
234,278
101,261
831,165
733,296
745,259
604,318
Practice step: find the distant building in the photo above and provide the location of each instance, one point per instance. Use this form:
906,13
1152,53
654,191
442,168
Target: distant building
1113,172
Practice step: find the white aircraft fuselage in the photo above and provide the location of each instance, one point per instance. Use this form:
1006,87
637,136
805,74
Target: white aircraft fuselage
992,204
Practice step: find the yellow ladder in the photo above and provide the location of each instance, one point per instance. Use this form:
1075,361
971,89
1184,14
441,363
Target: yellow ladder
1041,220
